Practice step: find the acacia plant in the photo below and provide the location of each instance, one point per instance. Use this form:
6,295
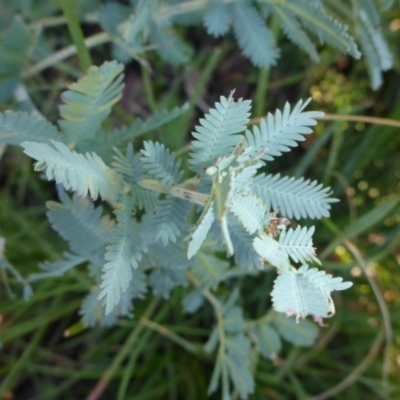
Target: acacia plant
156,240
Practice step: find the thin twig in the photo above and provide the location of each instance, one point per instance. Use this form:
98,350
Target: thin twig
355,374
361,118
350,118
63,54
177,191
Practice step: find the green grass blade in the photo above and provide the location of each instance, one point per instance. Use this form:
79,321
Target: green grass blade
76,33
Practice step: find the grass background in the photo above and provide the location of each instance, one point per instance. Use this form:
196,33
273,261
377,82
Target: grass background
151,357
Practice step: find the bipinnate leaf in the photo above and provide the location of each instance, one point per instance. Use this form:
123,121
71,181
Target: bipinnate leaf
136,289
292,28
16,128
88,102
58,268
16,41
268,341
192,301
233,366
254,38
244,177
295,198
123,309
212,341
169,45
167,221
217,19
306,292
209,270
313,17
250,210
80,223
163,280
102,143
324,281
168,265
233,363
122,256
375,49
138,23
271,252
301,333
245,255
132,169
278,133
81,173
238,364
111,15
91,311
297,244
160,163
217,134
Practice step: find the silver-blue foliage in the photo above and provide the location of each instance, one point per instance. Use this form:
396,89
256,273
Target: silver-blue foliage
254,38
295,198
167,221
83,173
80,223
159,163
218,132
122,259
216,19
16,128
88,102
278,133
170,228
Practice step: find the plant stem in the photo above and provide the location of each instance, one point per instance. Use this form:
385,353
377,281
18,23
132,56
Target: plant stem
350,118
191,348
68,51
361,118
177,191
76,34
148,89
50,22
208,295
261,92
